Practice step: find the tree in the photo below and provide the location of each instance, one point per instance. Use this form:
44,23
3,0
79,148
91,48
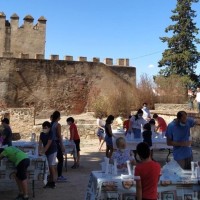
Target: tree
181,56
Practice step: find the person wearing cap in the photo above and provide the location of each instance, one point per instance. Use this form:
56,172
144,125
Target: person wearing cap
7,132
21,162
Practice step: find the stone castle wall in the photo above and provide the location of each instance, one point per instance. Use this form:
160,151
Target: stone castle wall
27,39
22,120
59,84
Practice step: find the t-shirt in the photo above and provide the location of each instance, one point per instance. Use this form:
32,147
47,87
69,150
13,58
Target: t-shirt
126,124
178,133
146,113
100,122
198,96
162,124
122,156
14,154
147,137
148,173
7,133
45,137
138,123
74,128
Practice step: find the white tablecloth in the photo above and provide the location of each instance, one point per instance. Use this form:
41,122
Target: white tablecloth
131,143
102,187
26,146
37,170
70,147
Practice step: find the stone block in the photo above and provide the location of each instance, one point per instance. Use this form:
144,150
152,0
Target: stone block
68,58
82,59
7,54
95,59
24,55
54,57
39,56
108,61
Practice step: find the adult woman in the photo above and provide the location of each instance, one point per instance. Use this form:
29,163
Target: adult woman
101,131
136,122
108,137
56,129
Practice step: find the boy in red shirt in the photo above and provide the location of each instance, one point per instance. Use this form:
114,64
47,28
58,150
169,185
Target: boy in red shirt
161,124
75,137
147,174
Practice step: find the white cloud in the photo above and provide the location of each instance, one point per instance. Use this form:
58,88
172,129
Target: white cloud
151,66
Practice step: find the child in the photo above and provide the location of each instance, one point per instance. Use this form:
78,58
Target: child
122,154
100,131
76,138
147,134
152,122
147,174
21,161
47,140
126,124
108,137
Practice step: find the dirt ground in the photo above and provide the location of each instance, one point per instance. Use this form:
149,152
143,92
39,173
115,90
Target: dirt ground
75,187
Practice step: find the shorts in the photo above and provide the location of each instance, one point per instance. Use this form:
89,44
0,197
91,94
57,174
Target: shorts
109,141
51,158
137,133
22,169
77,143
185,163
100,133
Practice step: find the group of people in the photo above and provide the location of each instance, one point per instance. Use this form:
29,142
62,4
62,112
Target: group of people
141,125
147,170
177,134
51,145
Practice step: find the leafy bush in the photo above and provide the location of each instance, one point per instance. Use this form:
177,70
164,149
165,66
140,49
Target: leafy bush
172,89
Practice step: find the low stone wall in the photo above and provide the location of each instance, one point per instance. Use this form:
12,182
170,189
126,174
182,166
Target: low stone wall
171,107
21,120
86,128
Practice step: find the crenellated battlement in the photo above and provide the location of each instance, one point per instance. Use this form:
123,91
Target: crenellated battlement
27,41
107,61
28,22
27,38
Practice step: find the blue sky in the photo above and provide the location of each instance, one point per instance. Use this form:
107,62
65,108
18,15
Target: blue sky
103,28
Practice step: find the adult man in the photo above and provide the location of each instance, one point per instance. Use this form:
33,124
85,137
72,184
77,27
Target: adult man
146,112
161,125
198,99
178,136
21,161
7,132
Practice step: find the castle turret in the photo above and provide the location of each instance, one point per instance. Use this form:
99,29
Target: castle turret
28,21
27,39
14,21
2,32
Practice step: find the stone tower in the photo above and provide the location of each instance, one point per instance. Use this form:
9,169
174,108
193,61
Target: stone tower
28,39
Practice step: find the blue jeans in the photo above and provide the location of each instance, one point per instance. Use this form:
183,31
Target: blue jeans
137,133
